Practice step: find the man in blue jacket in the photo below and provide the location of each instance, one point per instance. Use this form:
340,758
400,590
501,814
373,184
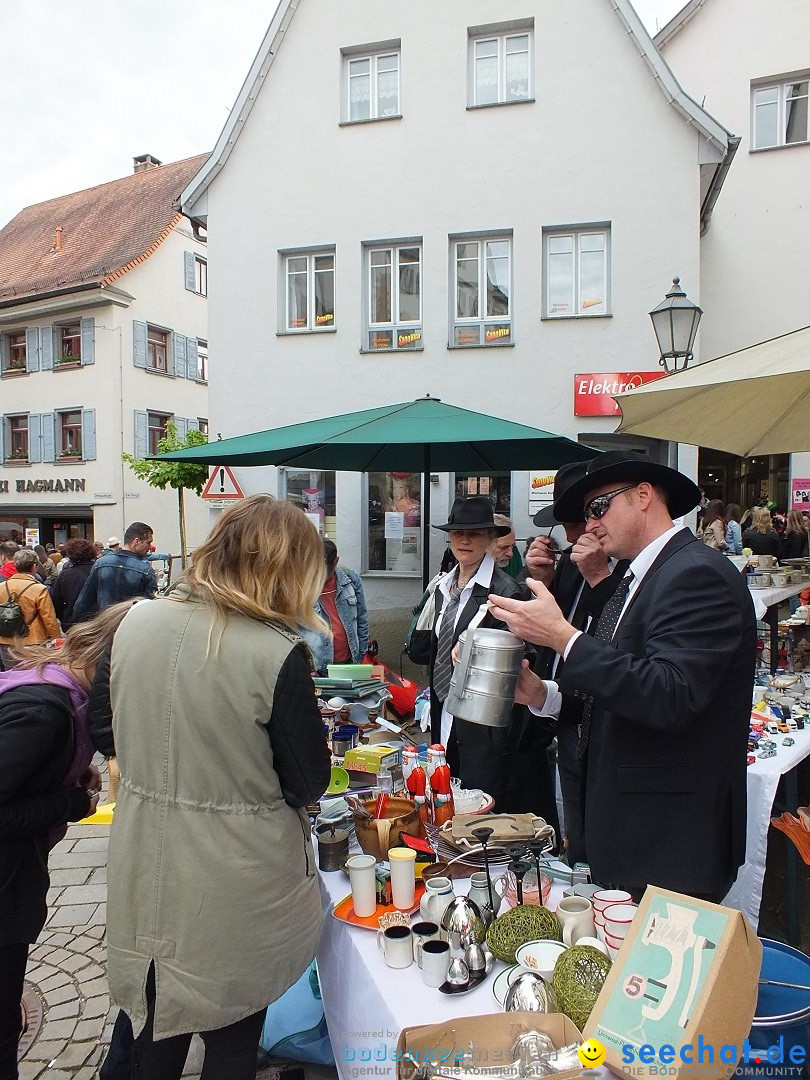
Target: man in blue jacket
119,575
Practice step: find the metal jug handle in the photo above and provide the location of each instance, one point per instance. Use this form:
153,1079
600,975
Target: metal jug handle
466,649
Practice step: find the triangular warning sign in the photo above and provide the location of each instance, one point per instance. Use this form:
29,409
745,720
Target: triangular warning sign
222,484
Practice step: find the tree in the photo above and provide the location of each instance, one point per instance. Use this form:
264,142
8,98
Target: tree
180,475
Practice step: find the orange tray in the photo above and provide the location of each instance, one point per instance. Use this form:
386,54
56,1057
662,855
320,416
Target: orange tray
345,912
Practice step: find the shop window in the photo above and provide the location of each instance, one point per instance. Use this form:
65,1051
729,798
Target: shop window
498,489
17,432
779,113
500,66
394,296
482,288
314,492
577,277
156,430
310,292
395,522
372,85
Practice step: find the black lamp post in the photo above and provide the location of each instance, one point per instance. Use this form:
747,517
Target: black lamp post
675,322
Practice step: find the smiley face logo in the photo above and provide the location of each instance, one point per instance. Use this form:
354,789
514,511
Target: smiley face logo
592,1053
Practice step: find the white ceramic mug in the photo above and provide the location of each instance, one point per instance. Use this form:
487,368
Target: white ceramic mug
435,962
364,886
618,918
422,932
605,897
396,945
576,918
402,861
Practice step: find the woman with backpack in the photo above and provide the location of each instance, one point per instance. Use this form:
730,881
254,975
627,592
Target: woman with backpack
46,781
27,616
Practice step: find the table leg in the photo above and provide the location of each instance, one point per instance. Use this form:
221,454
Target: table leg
793,899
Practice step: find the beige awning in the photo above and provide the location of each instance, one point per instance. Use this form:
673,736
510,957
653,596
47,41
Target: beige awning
753,401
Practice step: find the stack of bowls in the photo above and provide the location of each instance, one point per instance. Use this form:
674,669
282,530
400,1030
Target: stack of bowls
613,912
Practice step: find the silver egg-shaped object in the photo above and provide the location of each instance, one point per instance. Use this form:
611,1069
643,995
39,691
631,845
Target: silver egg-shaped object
462,924
529,993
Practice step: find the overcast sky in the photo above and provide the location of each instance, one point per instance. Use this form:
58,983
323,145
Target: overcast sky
88,84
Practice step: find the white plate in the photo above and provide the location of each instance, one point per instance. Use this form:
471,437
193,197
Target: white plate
503,982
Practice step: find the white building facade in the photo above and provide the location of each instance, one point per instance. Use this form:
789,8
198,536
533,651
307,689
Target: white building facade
754,257
94,366
479,201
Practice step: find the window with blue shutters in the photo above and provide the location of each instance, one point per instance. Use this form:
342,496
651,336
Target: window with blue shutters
179,355
140,332
89,434
14,352
31,349
195,272
141,434
34,440
46,347
192,358
88,341
47,426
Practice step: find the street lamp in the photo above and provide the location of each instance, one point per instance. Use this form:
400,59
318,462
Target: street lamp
675,322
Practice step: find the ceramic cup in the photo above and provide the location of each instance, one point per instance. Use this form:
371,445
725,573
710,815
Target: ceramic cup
576,917
540,956
435,962
423,932
402,861
595,943
618,918
364,886
605,897
396,945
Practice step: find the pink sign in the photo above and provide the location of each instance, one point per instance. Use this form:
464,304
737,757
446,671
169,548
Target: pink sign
800,493
593,392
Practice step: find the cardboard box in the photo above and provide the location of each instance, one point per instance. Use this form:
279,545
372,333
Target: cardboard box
372,759
686,977
492,1037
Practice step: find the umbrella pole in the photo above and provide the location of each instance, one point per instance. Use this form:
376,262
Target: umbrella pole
426,519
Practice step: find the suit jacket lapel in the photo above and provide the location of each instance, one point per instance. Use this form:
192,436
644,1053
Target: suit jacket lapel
477,598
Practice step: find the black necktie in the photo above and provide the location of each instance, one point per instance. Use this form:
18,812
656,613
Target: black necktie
443,667
605,629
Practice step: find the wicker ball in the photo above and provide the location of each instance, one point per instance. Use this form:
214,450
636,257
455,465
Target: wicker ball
526,922
577,979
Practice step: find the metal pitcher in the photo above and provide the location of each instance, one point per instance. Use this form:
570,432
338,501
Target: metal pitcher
482,689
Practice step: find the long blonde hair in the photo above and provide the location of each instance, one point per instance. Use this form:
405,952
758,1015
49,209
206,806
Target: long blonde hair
84,643
761,519
263,558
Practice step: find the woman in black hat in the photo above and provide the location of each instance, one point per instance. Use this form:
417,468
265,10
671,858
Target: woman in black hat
479,755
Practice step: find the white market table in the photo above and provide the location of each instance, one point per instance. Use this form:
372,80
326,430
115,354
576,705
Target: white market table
766,607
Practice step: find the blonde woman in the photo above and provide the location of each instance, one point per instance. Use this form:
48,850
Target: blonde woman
761,537
213,906
46,781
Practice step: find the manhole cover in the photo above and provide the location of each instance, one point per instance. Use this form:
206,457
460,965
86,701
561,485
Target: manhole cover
32,1018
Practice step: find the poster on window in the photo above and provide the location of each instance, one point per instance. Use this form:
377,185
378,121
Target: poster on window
541,490
800,493
394,525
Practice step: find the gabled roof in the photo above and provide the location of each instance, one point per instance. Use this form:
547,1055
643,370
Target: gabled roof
677,22
105,231
194,198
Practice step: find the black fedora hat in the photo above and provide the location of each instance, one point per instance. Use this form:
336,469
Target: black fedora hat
566,476
472,514
621,467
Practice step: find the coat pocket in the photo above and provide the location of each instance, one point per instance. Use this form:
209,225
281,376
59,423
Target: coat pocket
655,779
309,853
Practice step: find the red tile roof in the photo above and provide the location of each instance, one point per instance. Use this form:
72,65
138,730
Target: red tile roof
106,230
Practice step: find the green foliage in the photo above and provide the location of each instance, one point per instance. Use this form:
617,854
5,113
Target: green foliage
173,474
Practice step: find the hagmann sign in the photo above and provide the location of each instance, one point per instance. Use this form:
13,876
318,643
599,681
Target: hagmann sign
594,391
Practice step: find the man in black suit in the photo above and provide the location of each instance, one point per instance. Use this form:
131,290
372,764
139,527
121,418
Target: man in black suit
666,683
581,580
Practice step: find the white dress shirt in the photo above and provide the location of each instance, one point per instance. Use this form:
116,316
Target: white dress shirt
483,576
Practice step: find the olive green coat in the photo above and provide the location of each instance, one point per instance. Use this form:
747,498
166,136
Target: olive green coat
211,873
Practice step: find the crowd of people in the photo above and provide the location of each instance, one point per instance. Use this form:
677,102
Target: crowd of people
639,655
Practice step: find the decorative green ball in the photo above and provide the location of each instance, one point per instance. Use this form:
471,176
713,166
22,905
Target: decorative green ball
577,979
526,922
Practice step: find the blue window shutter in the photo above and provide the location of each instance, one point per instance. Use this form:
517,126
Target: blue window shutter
188,267
182,427
139,336
46,347
141,434
48,432
192,358
34,443
193,424
88,341
89,434
179,355
3,422
32,349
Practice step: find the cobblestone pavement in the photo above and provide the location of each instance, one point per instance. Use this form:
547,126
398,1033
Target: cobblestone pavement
67,969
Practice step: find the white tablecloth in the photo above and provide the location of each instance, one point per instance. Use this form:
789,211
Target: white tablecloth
763,779
765,598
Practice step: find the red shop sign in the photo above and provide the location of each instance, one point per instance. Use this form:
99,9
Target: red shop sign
594,391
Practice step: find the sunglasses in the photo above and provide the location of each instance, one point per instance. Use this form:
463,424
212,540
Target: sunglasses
598,507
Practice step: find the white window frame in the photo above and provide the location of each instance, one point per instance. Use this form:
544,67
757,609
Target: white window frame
312,326
500,36
373,55
780,86
405,334
202,361
200,276
492,330
577,233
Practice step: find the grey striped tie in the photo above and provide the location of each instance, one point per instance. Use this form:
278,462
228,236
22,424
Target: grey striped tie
443,668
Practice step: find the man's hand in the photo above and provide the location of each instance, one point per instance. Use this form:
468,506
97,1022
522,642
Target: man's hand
539,621
590,559
90,780
530,689
540,559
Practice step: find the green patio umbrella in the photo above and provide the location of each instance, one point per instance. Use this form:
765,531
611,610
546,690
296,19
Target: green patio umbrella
426,435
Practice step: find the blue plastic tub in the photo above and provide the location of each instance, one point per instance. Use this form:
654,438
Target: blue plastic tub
783,1015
